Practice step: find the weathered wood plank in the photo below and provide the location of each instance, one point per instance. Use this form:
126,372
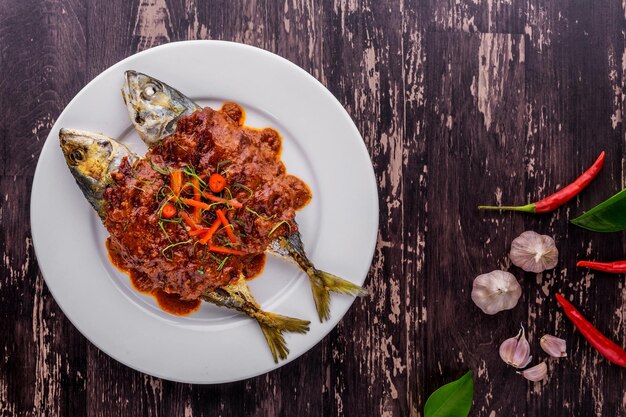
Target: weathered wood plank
486,16
43,361
365,69
475,129
43,365
571,118
43,58
415,208
111,34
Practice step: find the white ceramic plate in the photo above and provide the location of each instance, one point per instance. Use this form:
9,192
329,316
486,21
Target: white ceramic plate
321,145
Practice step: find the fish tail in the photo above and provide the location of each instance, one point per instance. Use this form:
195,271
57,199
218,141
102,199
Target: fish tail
273,326
322,283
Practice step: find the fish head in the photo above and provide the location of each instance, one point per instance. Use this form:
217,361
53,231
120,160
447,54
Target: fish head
153,106
91,159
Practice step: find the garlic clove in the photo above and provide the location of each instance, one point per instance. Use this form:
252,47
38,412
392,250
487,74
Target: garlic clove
536,373
515,351
496,291
534,252
553,346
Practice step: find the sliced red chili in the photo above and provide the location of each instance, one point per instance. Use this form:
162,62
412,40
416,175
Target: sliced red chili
217,183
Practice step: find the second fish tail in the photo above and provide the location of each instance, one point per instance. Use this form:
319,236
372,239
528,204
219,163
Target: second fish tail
323,283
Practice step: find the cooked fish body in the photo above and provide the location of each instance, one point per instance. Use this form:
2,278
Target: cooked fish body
154,107
92,158
291,248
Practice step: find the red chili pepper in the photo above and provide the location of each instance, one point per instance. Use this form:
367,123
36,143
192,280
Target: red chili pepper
617,267
556,200
600,342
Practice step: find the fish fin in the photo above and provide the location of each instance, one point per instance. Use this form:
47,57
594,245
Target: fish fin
273,327
322,283
340,285
321,296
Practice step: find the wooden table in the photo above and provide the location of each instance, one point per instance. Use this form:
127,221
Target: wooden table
459,103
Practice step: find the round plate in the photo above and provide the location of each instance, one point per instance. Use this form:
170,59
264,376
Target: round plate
321,145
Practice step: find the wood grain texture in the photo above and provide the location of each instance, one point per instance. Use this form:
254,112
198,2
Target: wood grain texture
459,104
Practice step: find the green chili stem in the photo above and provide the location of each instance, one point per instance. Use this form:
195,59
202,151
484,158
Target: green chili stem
528,208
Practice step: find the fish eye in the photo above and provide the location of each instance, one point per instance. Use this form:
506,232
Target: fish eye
149,91
138,119
76,156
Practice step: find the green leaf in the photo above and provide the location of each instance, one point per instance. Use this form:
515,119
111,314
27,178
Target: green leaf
453,399
608,216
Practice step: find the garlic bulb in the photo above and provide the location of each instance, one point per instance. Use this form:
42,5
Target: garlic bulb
553,346
536,373
534,252
496,291
516,350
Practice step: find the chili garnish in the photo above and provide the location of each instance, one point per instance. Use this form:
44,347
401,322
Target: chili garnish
600,342
217,183
189,221
232,202
193,203
556,200
197,194
209,234
197,232
193,219
228,251
227,226
617,267
176,182
168,211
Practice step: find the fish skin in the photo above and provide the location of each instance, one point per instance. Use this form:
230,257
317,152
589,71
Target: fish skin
291,248
153,106
91,159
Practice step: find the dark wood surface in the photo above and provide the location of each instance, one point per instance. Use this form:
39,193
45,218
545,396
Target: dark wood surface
459,103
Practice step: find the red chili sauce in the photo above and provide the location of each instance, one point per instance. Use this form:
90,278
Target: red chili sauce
178,259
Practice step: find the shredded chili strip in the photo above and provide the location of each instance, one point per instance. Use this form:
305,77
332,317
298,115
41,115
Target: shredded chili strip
197,232
210,232
197,213
217,199
228,251
176,182
193,203
189,221
227,226
196,189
